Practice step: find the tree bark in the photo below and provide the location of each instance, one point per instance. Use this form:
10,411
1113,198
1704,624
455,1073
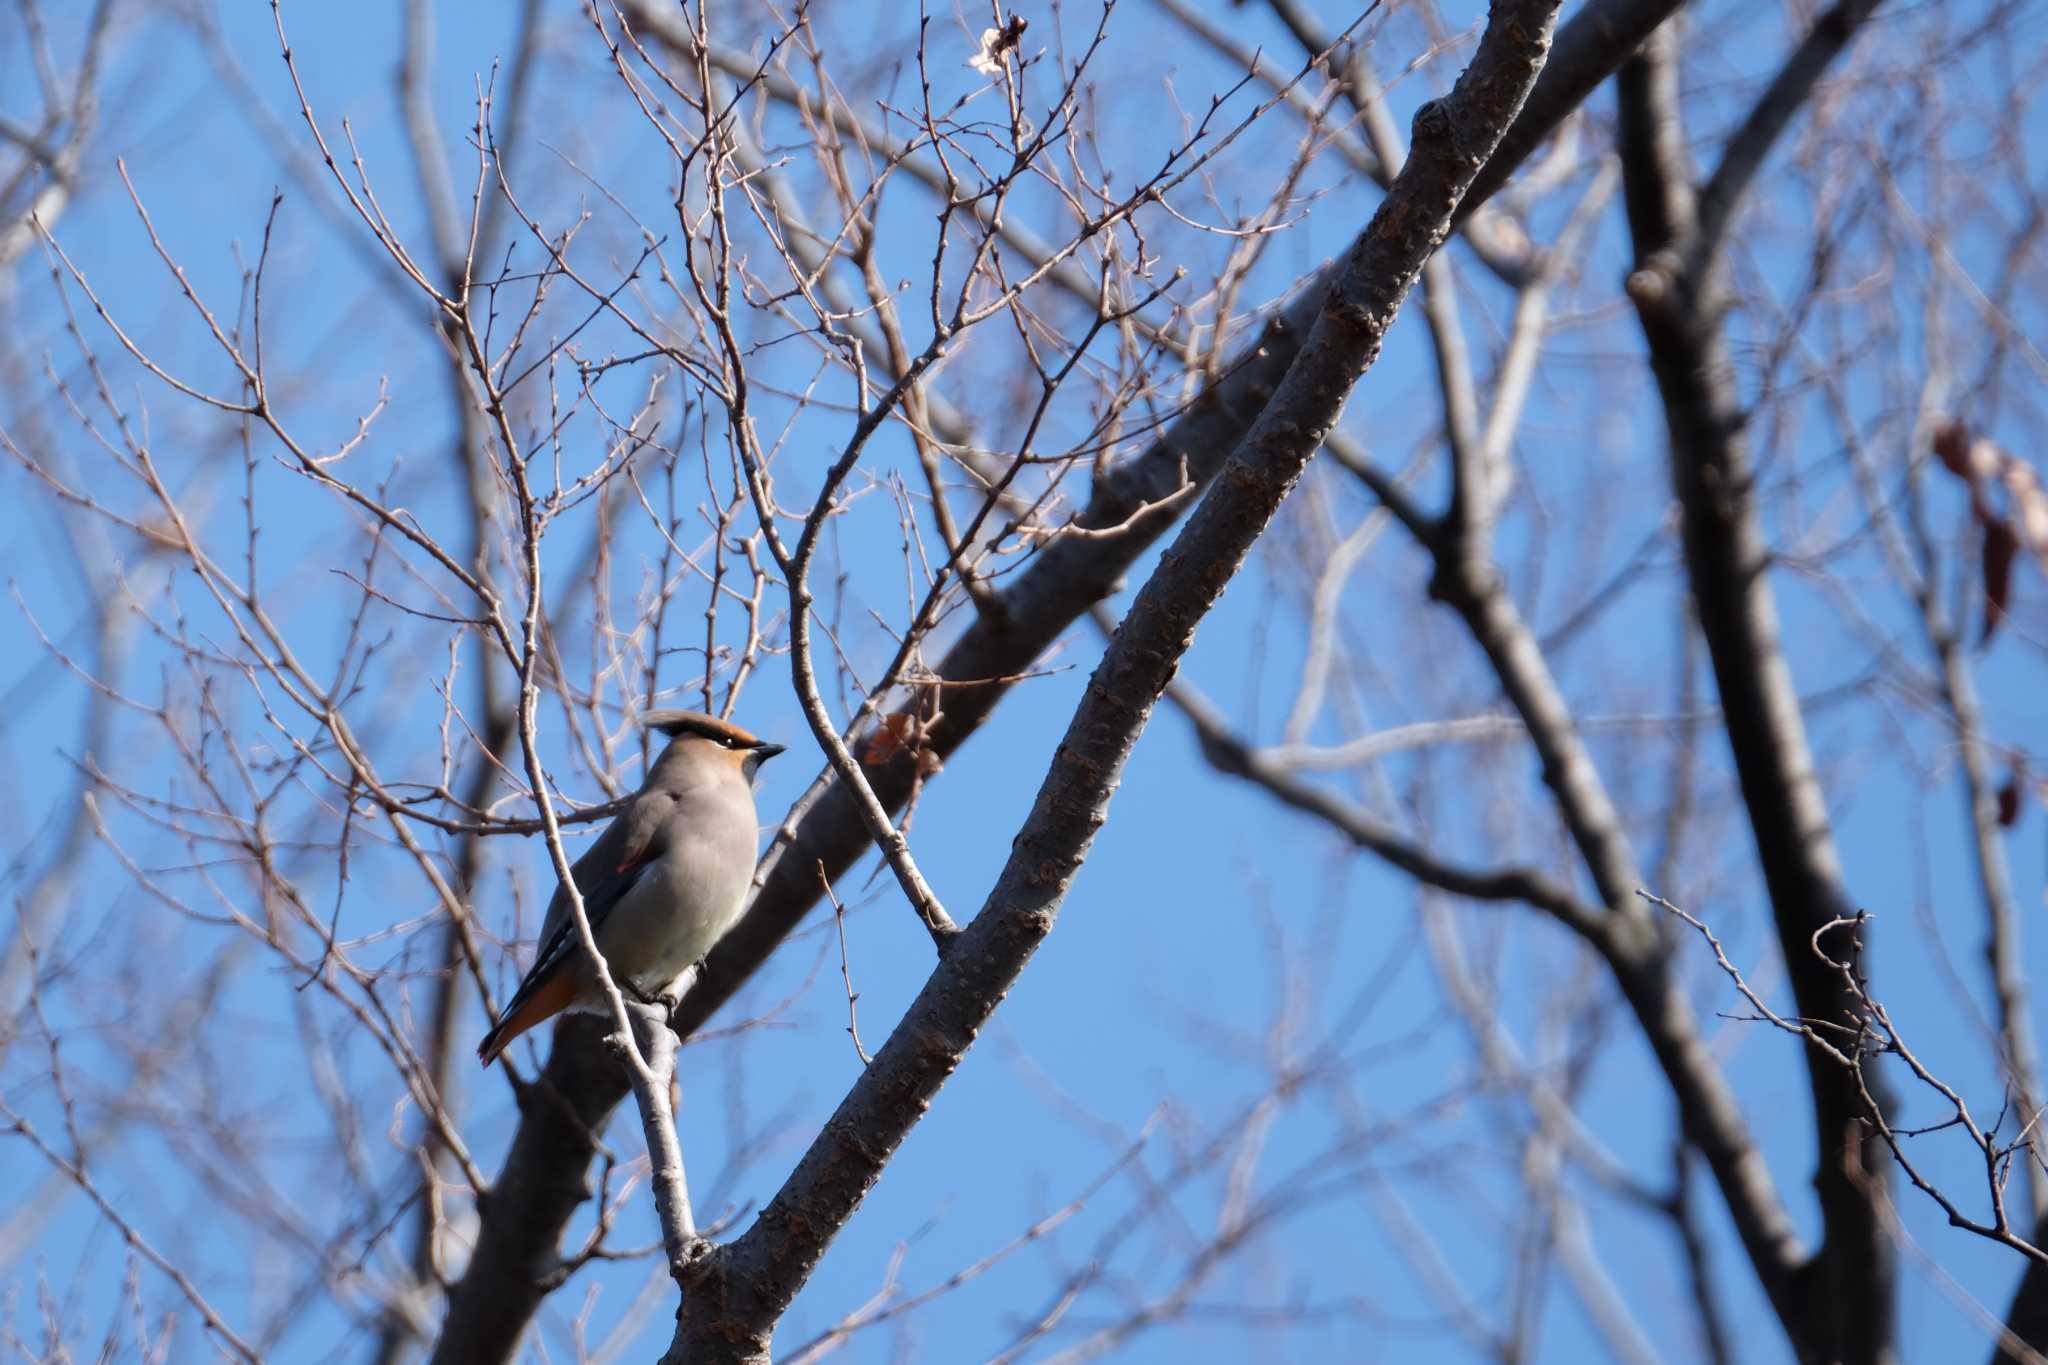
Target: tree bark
734,1296
1839,1306
1064,580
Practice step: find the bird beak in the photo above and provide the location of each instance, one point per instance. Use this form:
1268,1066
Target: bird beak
764,752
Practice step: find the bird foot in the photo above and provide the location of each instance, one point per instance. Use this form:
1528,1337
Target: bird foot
672,998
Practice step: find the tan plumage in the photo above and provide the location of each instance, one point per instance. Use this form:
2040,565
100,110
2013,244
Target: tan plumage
663,882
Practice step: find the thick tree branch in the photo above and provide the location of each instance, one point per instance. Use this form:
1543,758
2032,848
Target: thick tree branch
1841,1306
1601,36
546,1178
2026,1321
1468,580
737,1293
1064,579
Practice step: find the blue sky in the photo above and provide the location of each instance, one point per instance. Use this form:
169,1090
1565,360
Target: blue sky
1205,912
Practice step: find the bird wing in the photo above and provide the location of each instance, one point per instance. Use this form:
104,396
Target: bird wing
605,872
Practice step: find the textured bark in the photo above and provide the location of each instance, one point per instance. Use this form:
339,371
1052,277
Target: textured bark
546,1177
2027,1319
735,1295
1064,580
1601,36
1839,1306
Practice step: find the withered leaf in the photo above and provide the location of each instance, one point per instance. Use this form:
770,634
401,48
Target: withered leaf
2001,546
1952,447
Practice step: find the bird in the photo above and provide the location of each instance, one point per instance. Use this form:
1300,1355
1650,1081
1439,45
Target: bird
663,883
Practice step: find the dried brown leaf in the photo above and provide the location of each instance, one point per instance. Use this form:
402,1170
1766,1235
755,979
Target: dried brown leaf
1952,448
2001,547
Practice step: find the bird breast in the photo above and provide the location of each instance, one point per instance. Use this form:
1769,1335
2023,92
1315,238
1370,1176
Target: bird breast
684,900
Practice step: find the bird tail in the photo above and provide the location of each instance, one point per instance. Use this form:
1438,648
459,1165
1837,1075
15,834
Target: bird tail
534,1004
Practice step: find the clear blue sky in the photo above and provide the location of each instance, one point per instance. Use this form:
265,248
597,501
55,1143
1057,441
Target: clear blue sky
1204,909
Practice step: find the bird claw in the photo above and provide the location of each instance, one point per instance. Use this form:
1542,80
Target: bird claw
672,998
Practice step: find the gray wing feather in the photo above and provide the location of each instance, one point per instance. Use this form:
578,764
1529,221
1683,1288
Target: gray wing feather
605,872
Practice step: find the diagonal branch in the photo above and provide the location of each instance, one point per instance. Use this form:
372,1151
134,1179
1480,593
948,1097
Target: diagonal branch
1067,576
1841,1305
997,647
1469,581
736,1294
1228,753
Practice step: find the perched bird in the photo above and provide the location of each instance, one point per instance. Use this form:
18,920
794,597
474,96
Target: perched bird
664,881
